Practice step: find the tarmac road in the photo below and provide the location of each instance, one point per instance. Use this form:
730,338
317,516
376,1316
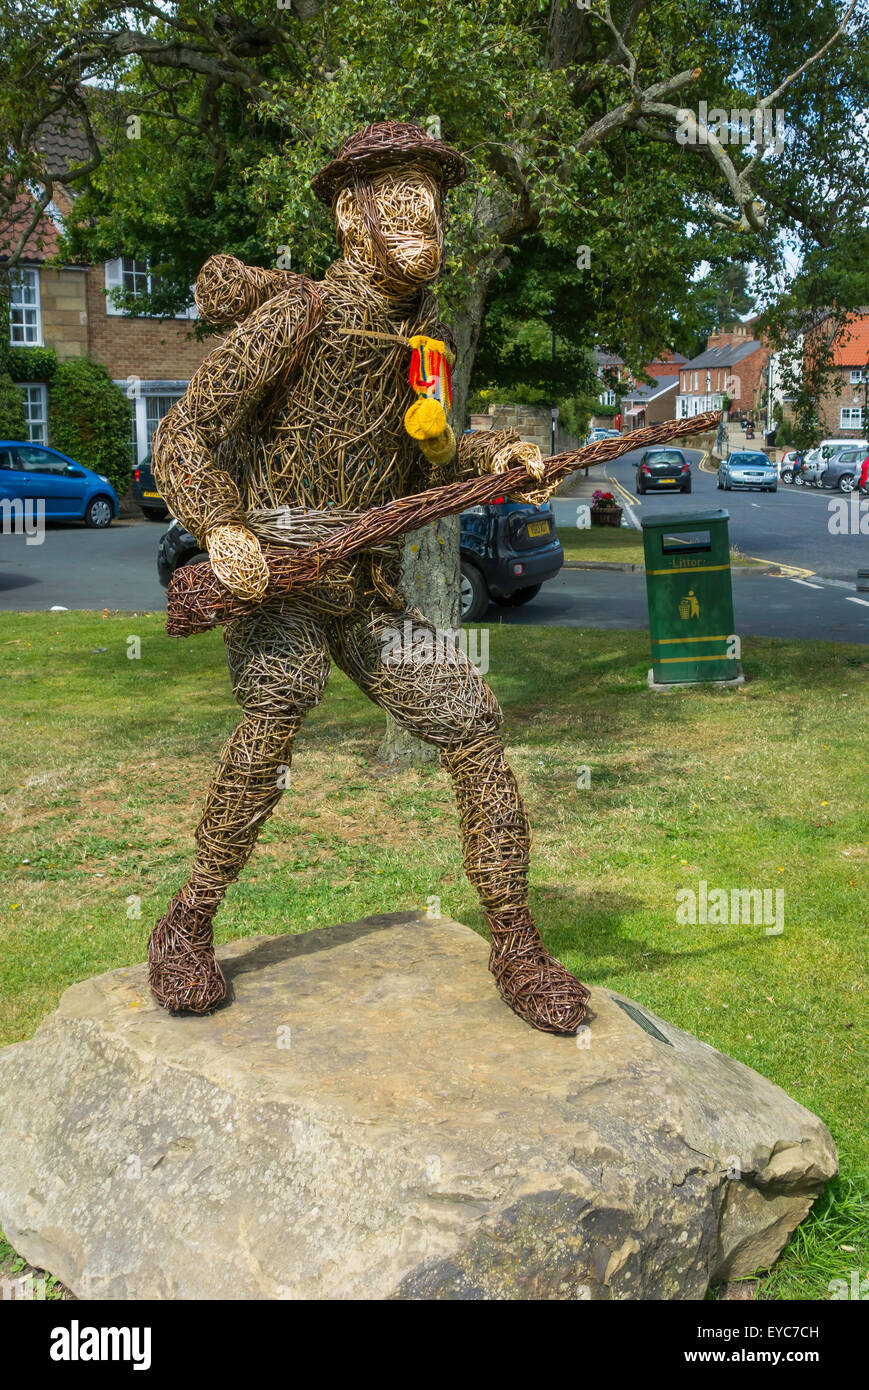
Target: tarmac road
816,597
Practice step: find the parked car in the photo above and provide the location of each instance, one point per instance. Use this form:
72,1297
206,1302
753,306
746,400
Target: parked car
842,470
69,491
744,468
508,550
143,490
667,469
594,435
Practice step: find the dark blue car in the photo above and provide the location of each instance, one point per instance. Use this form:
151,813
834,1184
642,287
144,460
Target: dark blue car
30,473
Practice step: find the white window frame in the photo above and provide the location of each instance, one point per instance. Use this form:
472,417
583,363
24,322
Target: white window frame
17,278
856,376
114,277
849,423
145,390
37,427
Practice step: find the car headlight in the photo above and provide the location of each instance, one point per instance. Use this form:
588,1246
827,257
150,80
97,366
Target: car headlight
103,479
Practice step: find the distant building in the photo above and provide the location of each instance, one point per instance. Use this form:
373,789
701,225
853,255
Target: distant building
733,364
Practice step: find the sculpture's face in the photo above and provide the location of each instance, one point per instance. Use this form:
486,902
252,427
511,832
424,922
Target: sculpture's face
408,210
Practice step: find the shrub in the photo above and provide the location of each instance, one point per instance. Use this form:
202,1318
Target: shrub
13,422
31,363
89,419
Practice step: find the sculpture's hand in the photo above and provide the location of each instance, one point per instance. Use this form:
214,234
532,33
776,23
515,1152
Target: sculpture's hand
237,560
529,457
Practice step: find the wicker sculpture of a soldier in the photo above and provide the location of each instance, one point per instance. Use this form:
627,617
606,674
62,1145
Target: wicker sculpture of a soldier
304,416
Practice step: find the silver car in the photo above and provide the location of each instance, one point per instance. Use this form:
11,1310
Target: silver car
746,468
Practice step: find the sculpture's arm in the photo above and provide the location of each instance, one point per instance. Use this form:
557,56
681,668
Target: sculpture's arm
222,396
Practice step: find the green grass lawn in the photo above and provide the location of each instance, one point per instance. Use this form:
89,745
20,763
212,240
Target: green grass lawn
622,545
106,761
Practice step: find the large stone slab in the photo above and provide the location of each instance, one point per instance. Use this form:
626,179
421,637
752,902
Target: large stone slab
368,1120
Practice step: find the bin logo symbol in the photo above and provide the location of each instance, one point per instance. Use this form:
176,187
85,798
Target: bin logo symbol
689,607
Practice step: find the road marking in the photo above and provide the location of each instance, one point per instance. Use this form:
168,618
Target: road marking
787,571
864,601
803,582
628,502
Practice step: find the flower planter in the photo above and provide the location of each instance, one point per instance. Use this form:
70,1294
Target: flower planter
606,516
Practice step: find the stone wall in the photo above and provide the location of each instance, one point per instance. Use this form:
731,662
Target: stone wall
63,302
534,424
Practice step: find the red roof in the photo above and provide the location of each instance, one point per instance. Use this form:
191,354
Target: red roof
42,242
851,347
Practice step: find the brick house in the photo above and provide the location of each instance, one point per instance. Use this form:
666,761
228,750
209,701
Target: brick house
65,307
843,411
639,403
732,364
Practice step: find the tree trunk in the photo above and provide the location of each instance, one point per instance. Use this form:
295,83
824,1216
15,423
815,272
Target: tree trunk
430,567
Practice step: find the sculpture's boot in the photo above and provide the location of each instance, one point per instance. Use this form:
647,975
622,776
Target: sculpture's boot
496,842
183,972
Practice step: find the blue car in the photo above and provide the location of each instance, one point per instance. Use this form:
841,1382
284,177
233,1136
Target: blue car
70,492
747,468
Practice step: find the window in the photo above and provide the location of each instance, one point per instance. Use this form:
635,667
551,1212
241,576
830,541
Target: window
856,376
851,417
155,408
134,277
40,461
608,397
149,406
35,411
25,325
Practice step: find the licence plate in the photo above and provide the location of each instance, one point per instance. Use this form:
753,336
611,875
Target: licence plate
150,494
538,528
668,480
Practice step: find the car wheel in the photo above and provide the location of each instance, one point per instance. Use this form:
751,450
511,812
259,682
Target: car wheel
846,482
199,557
787,475
640,490
799,480
687,489
719,484
475,594
98,513
518,596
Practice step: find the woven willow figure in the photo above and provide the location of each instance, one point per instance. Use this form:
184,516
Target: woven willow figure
304,417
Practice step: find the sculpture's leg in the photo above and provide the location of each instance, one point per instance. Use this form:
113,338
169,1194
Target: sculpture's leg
432,689
279,666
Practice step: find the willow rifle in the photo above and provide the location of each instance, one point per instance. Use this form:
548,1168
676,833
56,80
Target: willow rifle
198,601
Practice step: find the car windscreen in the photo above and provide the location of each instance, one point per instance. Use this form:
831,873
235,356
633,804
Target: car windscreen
666,456
750,460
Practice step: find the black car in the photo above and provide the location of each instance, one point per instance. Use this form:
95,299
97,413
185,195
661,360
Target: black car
143,490
508,549
667,469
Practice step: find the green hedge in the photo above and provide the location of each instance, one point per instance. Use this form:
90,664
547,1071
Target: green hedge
13,422
89,419
31,363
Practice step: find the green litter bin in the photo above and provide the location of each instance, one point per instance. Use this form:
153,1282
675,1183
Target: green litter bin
690,594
